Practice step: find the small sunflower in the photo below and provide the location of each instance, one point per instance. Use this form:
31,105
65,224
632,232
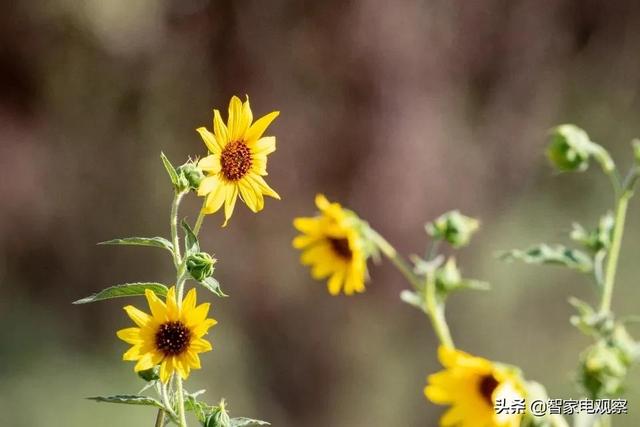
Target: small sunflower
471,385
170,337
237,161
332,245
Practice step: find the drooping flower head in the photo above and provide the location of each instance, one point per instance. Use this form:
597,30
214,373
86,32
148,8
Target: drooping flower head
332,245
237,160
472,385
171,336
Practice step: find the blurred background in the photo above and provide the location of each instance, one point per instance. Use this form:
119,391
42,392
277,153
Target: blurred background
400,110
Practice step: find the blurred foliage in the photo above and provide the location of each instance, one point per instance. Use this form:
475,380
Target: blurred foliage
425,105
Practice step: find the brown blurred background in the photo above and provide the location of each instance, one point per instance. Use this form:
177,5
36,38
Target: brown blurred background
400,110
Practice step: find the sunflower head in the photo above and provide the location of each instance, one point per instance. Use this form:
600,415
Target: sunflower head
471,385
171,336
332,245
237,160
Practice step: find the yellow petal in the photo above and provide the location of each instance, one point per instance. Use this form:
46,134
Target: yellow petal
264,146
133,353
220,130
202,328
246,111
182,367
321,202
307,225
192,359
166,369
140,318
197,315
238,120
209,185
172,306
130,335
158,308
189,302
230,202
263,186
249,196
257,129
210,164
335,282
215,199
209,140
200,345
145,362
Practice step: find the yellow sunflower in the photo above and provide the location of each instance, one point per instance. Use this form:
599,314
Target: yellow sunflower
471,385
170,337
331,244
237,161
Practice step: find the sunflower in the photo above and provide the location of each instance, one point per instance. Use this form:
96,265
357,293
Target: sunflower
471,385
170,337
332,245
237,161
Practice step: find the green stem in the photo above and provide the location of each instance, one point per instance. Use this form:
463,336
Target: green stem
397,260
196,228
614,252
435,311
182,419
174,228
160,419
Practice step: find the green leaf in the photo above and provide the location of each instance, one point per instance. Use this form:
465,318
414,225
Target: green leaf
412,298
173,175
553,255
125,290
129,399
241,421
156,242
214,286
191,243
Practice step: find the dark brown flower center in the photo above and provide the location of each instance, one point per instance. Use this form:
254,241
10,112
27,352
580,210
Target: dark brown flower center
487,386
235,160
173,338
341,248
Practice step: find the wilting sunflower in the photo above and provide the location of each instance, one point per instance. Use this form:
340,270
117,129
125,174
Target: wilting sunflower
331,244
237,161
471,385
170,337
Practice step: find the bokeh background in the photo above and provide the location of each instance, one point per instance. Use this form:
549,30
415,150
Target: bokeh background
400,110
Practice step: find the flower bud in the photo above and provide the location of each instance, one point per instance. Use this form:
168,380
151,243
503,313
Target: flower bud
219,417
200,265
454,228
570,150
602,370
190,175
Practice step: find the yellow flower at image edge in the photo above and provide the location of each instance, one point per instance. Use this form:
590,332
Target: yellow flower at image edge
170,337
471,385
237,161
331,244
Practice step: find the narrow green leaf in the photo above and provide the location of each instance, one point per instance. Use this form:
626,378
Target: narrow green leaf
214,286
191,243
554,255
242,421
173,175
156,242
125,290
129,399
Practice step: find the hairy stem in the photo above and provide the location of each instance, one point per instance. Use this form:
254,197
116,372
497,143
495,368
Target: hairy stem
435,311
196,228
160,419
180,393
174,228
612,261
397,260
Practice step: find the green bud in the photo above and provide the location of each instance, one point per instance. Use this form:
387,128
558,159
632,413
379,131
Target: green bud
219,417
628,347
190,175
200,265
602,370
571,148
448,277
454,228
